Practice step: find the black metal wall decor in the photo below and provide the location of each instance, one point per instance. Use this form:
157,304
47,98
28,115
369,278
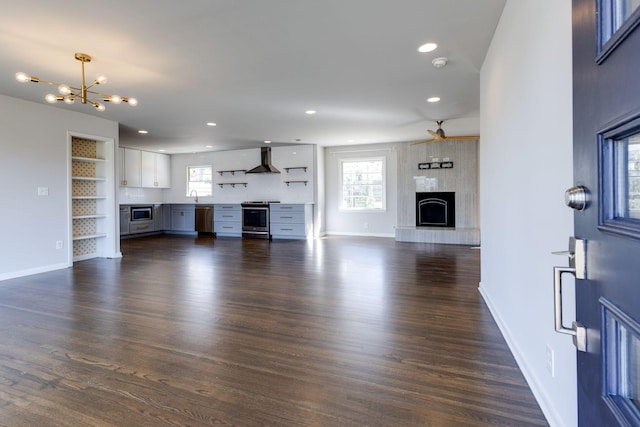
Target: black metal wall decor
435,165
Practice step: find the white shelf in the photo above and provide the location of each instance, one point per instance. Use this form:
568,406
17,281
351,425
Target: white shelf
89,236
88,197
87,178
88,216
87,159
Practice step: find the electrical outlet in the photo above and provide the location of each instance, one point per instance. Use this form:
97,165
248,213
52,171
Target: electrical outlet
551,363
43,191
59,244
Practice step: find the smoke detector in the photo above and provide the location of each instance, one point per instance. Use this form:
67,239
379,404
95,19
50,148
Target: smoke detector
439,62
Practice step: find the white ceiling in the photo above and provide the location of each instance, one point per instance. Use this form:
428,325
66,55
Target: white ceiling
254,66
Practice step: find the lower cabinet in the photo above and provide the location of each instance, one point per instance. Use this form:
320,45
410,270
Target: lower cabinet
227,220
158,218
291,221
183,218
136,227
124,220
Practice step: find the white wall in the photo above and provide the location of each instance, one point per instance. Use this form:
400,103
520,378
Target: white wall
338,222
525,166
259,186
33,144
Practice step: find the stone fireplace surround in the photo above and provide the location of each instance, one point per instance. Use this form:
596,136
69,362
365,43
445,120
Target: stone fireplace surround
462,179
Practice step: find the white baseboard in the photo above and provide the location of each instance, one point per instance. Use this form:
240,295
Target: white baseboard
543,399
30,271
348,233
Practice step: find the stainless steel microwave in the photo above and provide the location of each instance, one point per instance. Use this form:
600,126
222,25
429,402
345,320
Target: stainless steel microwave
141,213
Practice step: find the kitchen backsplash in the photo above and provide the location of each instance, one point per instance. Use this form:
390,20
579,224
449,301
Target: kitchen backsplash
133,196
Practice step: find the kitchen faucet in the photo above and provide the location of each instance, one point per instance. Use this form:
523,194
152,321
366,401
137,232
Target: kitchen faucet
191,193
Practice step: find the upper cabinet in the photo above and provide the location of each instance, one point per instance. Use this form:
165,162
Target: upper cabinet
145,169
163,170
130,167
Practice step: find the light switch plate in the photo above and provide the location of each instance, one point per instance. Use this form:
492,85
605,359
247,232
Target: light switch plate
43,191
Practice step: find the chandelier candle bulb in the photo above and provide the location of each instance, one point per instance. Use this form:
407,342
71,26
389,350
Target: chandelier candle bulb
64,89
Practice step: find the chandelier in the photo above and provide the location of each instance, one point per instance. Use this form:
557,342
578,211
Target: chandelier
68,94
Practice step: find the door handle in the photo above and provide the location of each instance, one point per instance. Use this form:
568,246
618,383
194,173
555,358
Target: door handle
577,254
576,330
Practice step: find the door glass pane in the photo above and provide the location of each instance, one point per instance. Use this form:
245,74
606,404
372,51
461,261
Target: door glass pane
629,359
616,20
621,363
622,10
627,170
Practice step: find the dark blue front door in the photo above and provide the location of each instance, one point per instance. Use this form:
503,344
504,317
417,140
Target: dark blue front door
606,55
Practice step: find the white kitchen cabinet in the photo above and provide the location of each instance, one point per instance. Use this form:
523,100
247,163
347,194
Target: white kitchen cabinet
147,169
227,220
144,169
155,170
290,221
130,170
163,170
183,218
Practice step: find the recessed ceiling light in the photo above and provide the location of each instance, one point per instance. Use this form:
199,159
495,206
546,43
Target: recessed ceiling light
162,151
427,47
267,142
351,140
143,131
310,112
211,124
433,99
208,146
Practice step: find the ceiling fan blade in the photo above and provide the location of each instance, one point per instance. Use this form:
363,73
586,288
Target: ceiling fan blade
462,138
433,133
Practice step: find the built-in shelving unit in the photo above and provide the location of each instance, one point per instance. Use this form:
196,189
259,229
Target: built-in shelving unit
88,197
232,172
232,184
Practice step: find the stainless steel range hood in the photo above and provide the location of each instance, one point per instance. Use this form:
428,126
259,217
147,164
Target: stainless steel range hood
265,162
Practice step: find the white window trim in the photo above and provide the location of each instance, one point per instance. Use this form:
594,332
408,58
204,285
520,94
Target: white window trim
384,185
187,181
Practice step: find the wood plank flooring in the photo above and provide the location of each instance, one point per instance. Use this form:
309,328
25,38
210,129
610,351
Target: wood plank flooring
186,331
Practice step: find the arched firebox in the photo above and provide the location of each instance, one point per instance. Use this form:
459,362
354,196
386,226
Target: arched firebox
436,209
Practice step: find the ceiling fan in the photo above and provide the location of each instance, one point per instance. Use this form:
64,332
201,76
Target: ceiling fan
439,135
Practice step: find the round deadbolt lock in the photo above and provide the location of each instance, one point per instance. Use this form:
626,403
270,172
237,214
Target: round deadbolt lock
577,197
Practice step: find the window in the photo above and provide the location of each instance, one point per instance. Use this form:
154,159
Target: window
199,181
363,184
616,20
620,174
621,361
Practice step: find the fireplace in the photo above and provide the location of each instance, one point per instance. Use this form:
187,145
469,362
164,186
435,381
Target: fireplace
436,209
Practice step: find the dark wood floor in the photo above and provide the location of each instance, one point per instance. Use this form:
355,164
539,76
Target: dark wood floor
197,332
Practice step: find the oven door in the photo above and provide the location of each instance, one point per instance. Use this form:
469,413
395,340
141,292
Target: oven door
255,220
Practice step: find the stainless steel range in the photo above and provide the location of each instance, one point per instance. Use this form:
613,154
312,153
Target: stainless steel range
255,219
